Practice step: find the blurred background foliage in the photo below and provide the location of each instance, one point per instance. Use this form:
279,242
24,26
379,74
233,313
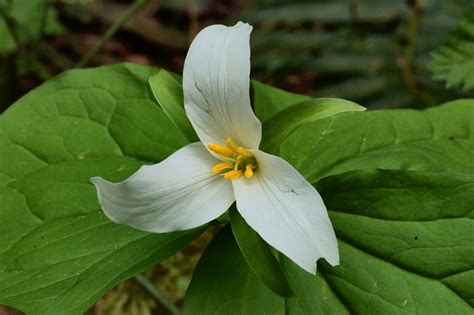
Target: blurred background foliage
378,53
453,61
374,52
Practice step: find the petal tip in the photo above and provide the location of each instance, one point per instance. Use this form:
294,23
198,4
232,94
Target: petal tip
98,181
243,25
332,255
334,261
311,269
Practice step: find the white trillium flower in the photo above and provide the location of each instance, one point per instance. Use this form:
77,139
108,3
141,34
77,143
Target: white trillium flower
199,182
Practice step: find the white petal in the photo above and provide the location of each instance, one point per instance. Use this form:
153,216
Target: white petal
287,212
216,79
177,194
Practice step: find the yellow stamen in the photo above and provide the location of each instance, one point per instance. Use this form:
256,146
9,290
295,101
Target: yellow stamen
249,170
239,150
222,166
234,174
221,150
237,161
231,145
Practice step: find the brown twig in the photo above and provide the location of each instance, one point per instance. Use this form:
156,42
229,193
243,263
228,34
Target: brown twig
409,55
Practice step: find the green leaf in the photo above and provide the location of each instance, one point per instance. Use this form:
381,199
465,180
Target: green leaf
267,100
418,223
284,122
438,140
168,92
453,61
406,247
223,279
405,233
259,257
58,252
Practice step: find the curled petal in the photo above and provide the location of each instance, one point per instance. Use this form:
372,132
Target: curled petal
216,82
287,212
177,194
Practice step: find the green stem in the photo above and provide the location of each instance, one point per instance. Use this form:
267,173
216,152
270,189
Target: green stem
134,8
147,285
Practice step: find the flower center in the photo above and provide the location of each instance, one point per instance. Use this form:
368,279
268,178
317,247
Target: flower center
238,161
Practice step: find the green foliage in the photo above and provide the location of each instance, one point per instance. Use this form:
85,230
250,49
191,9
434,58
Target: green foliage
267,99
259,256
399,185
28,19
168,92
333,12
223,275
58,252
371,52
435,140
280,125
406,246
453,61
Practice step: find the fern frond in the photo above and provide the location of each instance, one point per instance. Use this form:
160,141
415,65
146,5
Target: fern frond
453,61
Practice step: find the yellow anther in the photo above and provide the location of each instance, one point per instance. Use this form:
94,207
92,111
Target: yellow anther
237,161
221,150
234,174
249,170
239,150
231,145
222,166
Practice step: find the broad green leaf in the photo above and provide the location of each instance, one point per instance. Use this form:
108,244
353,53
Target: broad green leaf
417,221
58,252
406,246
438,140
268,100
168,92
259,257
224,284
453,61
284,122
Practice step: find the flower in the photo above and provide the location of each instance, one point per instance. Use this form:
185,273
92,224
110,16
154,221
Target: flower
199,182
